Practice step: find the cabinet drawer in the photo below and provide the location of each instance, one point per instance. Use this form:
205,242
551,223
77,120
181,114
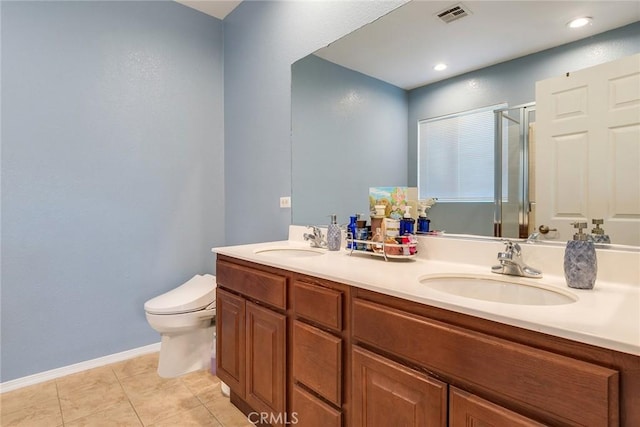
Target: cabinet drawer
317,361
466,409
310,411
318,304
266,287
571,390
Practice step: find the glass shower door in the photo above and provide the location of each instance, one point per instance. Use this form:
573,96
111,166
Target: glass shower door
512,190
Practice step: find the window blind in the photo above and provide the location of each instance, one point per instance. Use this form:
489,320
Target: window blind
456,156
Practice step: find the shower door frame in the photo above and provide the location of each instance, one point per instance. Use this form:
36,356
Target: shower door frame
524,202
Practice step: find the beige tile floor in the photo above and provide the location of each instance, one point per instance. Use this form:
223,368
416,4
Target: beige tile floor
128,393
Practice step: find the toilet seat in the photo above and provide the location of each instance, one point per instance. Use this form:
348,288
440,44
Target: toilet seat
196,294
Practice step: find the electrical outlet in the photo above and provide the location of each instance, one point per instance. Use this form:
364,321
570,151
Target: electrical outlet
285,202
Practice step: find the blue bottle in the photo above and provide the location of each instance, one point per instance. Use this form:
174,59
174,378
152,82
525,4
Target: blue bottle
351,230
423,222
407,223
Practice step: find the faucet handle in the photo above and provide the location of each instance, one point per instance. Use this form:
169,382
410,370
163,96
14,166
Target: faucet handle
316,230
511,247
508,244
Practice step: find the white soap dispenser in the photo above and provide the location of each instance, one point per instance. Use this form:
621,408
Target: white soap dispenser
580,262
334,234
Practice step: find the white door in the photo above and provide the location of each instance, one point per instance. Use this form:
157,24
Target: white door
588,150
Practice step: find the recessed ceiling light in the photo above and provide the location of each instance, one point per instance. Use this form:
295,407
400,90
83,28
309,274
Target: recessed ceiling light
440,67
580,22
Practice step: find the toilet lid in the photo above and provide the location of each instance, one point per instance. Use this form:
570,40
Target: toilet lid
195,294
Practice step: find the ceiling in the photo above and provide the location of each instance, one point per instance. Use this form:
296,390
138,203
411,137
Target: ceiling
413,39
217,8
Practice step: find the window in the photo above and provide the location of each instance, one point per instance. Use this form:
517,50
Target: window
456,156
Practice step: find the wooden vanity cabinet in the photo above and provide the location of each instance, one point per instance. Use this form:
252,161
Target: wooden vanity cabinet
323,354
251,337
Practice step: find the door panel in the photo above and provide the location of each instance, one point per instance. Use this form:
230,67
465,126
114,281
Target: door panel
265,332
468,410
386,393
230,342
588,150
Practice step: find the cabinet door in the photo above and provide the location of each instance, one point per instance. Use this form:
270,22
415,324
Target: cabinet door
265,341
230,342
386,393
467,410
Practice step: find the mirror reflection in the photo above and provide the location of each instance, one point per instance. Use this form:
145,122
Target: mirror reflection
355,127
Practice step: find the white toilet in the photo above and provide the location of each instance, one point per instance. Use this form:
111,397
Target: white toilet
185,319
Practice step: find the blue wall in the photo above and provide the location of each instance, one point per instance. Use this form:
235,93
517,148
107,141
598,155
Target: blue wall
261,41
112,172
349,133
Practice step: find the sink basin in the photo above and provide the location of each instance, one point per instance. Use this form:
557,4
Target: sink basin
498,290
289,252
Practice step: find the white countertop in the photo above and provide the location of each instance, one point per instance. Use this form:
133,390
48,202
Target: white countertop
607,316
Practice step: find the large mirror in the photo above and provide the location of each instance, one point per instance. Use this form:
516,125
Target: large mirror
357,104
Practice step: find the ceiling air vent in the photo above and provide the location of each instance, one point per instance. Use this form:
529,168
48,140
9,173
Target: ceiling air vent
453,13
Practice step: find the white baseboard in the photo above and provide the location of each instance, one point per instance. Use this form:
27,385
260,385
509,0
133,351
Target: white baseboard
77,367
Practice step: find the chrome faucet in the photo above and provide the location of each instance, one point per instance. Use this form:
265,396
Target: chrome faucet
511,262
533,237
316,239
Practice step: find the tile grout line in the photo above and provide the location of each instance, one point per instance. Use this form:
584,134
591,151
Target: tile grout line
202,403
209,410
59,402
124,390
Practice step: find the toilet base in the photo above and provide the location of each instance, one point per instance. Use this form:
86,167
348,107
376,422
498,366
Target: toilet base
186,352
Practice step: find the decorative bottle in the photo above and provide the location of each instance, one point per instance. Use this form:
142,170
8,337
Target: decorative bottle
580,262
423,221
597,233
407,222
334,235
351,231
